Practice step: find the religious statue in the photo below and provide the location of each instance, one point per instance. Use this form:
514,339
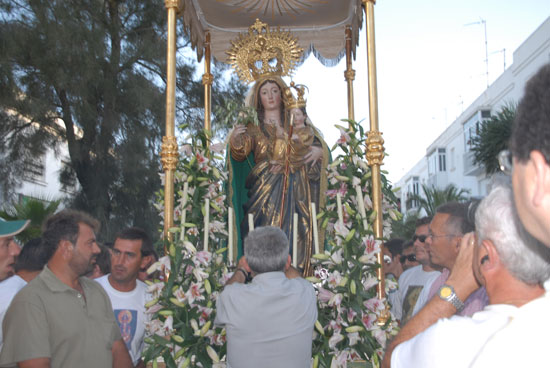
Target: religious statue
277,167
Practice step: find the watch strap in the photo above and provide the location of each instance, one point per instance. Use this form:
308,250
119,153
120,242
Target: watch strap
452,298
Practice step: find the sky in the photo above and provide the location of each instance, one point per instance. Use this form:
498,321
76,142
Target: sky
430,67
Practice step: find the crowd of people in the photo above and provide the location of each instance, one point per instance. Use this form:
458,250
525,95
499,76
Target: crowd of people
53,312
472,282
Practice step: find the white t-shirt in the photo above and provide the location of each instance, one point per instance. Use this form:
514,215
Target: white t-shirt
412,295
8,288
269,322
523,341
453,342
129,309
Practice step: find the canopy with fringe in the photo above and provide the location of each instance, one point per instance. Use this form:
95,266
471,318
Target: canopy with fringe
319,25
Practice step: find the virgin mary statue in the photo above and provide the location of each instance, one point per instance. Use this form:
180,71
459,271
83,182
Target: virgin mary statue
263,157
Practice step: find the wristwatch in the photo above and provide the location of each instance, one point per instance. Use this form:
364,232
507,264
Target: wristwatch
447,292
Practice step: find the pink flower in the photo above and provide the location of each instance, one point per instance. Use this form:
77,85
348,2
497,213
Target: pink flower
344,137
351,315
380,336
168,325
368,320
194,293
336,300
324,295
334,279
369,282
179,294
374,304
354,338
202,258
335,339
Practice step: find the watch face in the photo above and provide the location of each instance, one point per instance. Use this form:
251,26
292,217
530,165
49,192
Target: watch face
445,292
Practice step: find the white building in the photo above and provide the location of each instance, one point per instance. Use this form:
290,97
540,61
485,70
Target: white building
448,159
41,180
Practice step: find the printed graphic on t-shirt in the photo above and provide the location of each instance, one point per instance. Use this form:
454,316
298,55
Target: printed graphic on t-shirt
413,292
127,322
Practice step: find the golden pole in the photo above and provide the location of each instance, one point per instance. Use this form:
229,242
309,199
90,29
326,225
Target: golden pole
375,145
349,75
207,79
169,147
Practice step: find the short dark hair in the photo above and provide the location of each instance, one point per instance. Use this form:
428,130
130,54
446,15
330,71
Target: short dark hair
395,246
458,216
136,233
64,226
531,128
33,256
103,259
266,249
423,221
407,244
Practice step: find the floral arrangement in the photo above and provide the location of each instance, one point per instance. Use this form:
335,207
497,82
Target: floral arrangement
182,309
181,330
353,323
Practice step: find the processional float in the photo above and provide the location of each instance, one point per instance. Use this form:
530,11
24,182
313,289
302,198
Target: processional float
329,29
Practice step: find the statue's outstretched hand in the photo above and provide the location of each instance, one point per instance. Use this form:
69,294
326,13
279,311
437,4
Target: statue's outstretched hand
236,135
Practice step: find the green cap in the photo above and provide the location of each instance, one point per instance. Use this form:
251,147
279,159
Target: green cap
11,228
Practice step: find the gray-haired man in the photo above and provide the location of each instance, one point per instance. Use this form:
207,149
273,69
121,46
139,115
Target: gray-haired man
496,260
269,321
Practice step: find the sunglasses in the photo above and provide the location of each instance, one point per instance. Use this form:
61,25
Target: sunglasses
421,238
410,258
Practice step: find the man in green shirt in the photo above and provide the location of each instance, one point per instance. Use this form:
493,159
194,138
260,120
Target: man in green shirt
61,318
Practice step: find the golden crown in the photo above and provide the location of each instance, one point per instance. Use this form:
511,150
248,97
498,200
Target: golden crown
299,101
263,52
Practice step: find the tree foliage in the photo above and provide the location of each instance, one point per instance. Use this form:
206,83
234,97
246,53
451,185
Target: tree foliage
434,197
405,226
492,138
91,73
34,209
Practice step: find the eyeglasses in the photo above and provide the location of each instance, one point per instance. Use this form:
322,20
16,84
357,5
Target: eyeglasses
410,258
505,162
421,238
442,236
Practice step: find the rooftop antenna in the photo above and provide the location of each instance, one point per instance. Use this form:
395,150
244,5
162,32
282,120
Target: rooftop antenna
503,51
484,23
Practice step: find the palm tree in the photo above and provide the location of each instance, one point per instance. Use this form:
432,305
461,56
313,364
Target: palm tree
36,210
493,137
434,197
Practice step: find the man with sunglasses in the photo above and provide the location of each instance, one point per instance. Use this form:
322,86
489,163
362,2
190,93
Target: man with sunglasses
528,161
408,258
410,298
450,223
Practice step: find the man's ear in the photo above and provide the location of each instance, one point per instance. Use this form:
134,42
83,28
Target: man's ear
288,262
541,180
489,258
66,248
245,264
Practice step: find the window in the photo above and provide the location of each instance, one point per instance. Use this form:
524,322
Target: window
35,169
441,159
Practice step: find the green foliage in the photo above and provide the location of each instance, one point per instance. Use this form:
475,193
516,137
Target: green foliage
183,307
346,279
405,227
493,137
434,197
234,112
36,210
